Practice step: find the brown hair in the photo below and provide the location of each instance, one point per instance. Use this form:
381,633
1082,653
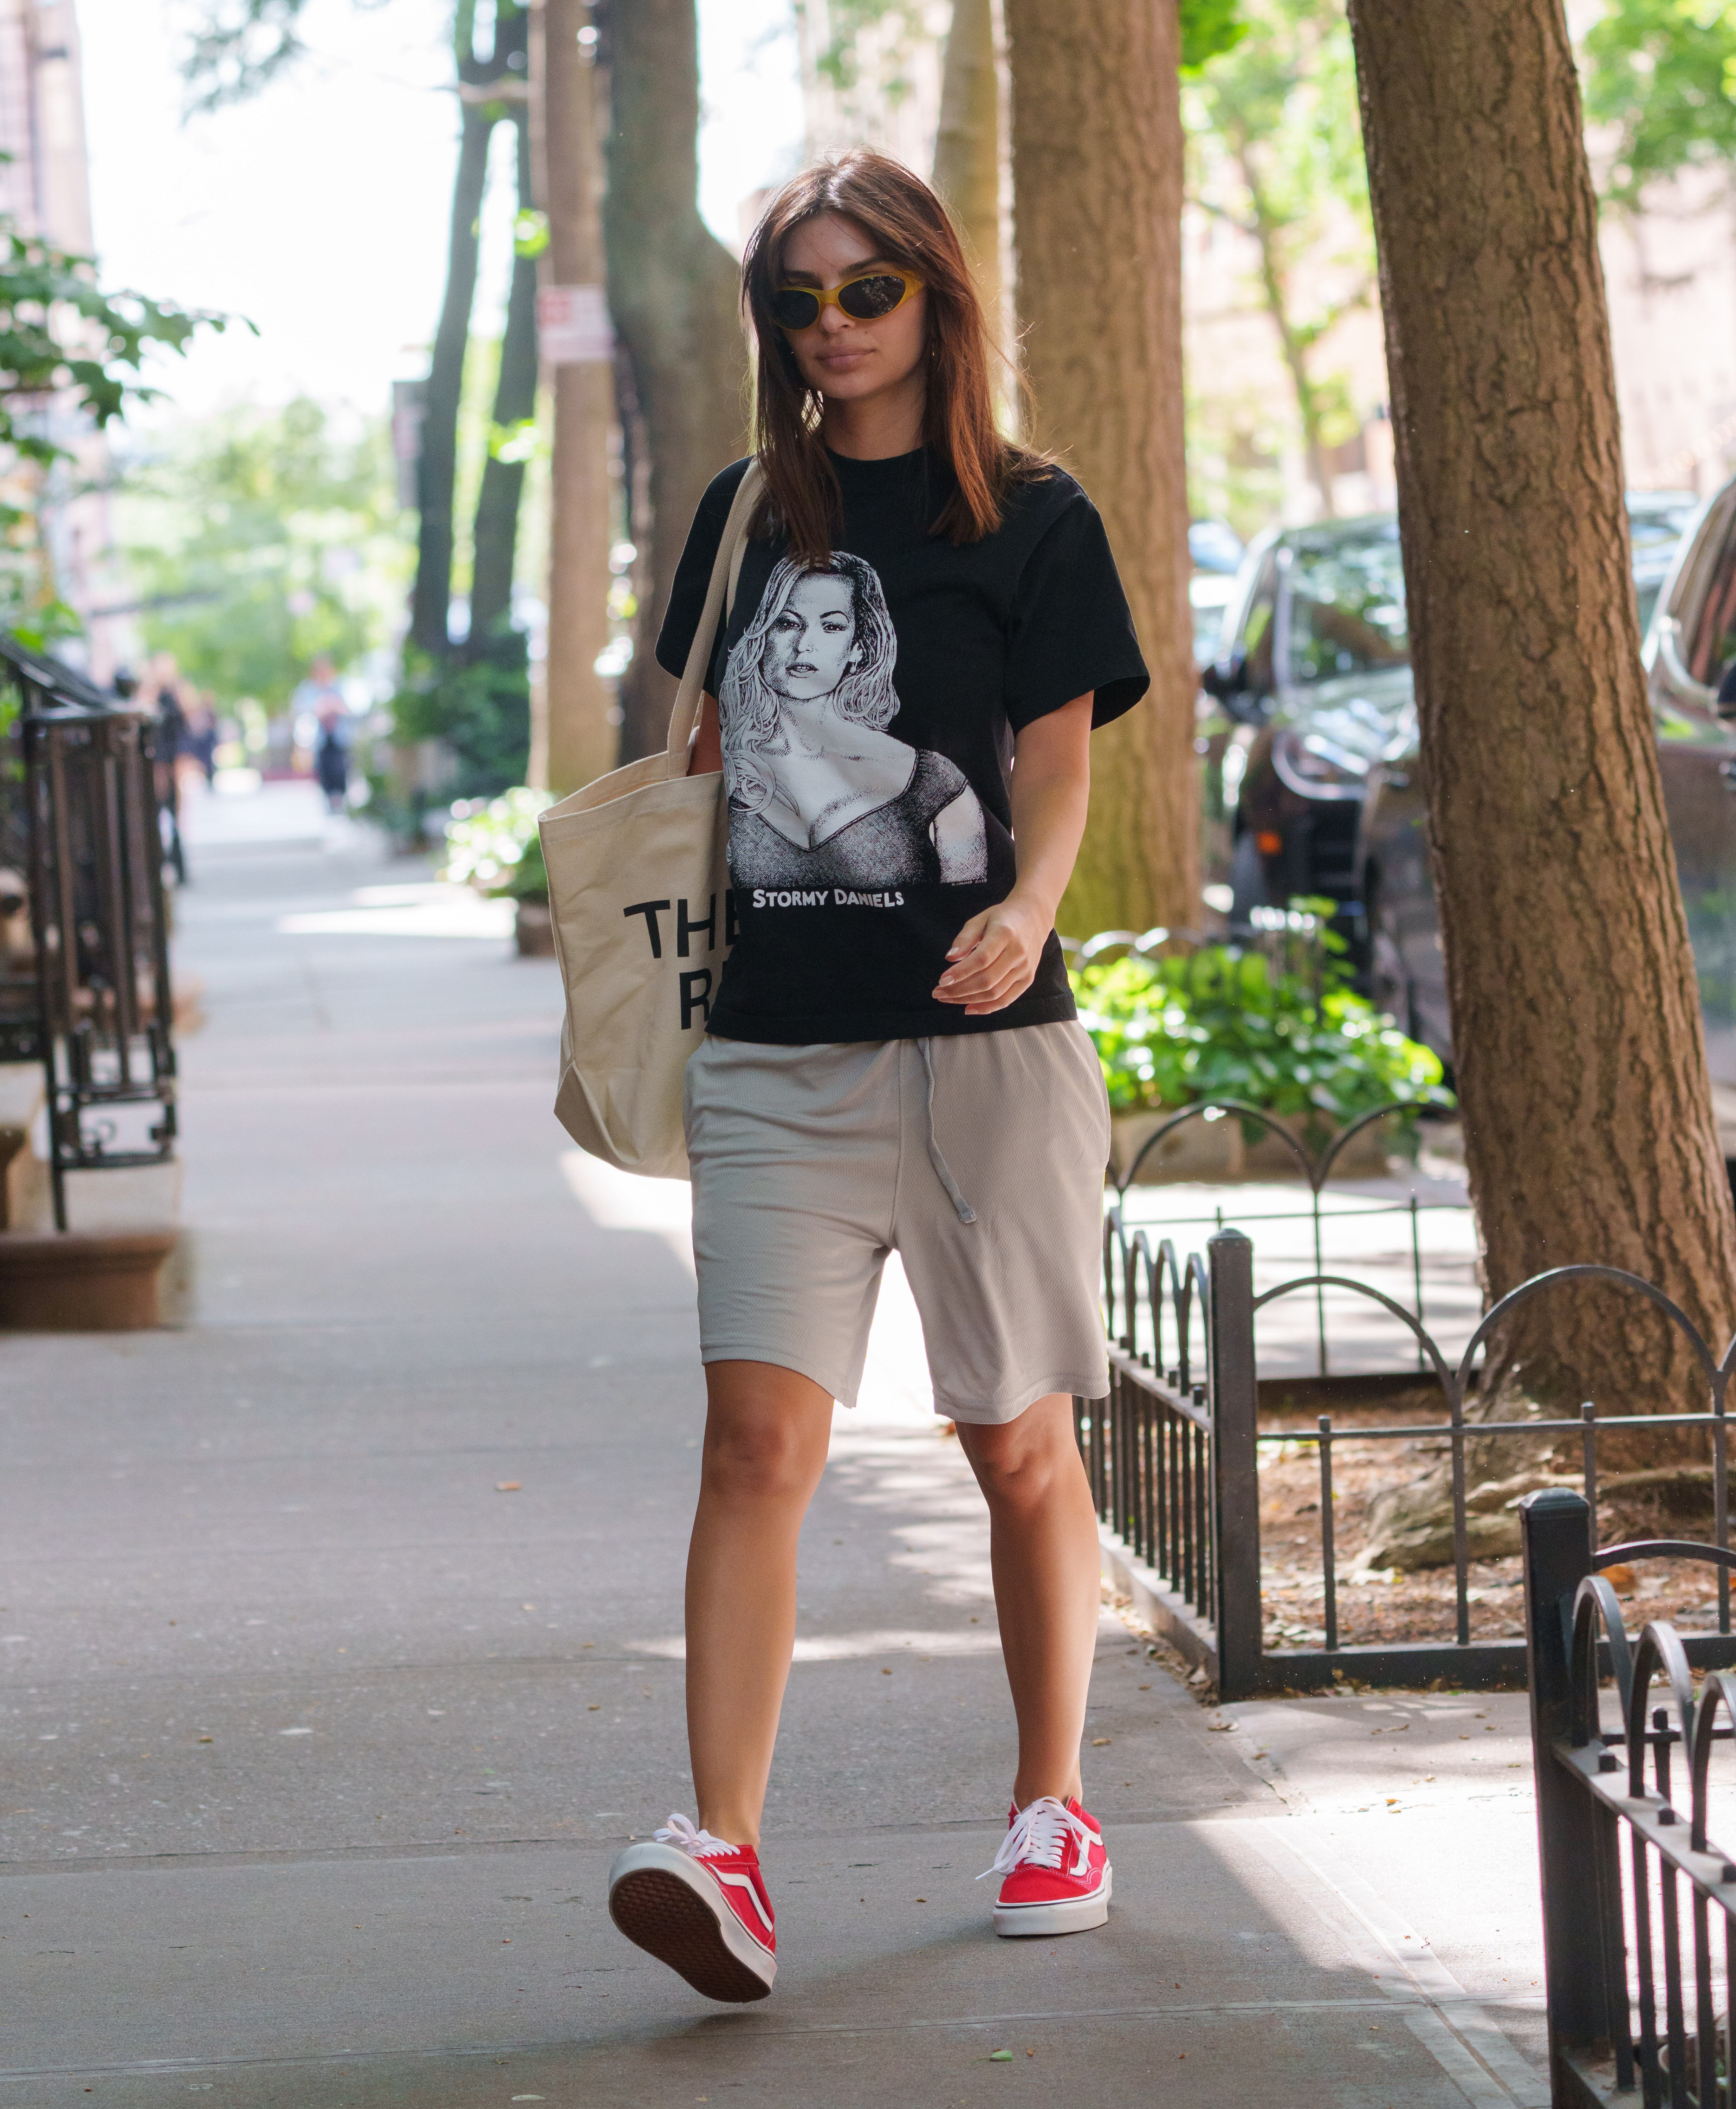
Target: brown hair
910,226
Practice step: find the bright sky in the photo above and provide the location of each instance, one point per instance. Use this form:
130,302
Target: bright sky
319,209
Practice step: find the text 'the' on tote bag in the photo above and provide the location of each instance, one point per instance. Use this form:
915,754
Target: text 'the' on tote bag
638,888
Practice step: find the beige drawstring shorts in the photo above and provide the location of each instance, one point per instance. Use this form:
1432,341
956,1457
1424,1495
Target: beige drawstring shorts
978,1158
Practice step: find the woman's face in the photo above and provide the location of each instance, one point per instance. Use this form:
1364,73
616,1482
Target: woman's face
839,358
811,643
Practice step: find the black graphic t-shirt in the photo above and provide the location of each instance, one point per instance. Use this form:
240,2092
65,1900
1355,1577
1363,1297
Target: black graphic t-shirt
867,708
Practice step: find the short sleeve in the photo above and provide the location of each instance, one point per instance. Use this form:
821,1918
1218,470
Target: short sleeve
1072,632
687,594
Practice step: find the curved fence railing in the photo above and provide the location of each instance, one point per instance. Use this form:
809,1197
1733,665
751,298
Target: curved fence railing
1639,1908
1173,1456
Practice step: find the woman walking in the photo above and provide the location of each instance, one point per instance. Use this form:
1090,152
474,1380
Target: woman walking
927,626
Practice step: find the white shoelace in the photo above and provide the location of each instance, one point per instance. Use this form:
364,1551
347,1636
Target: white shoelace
1038,1834
697,1845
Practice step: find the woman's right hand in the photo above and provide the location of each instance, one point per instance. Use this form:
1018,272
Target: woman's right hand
706,755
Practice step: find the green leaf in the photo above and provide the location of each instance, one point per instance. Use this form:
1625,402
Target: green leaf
1208,27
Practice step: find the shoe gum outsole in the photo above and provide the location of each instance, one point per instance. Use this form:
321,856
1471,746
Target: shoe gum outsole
660,1914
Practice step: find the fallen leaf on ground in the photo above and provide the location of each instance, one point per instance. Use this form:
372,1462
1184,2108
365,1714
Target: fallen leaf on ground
1099,1741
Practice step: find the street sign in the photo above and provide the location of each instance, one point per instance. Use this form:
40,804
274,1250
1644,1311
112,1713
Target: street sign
572,326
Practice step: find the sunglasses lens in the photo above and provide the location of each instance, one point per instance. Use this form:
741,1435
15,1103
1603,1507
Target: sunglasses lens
794,310
866,298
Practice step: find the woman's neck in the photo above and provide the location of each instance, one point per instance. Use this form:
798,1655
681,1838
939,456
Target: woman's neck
877,428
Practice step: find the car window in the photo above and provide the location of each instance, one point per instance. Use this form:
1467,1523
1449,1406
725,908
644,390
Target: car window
1256,642
1710,643
1347,606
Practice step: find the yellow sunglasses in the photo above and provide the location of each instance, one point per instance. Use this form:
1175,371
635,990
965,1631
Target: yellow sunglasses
865,299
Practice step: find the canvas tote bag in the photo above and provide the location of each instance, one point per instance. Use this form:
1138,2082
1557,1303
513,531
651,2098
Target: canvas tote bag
637,895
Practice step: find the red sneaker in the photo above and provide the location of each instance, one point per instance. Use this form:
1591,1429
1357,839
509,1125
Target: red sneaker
1058,1877
700,1905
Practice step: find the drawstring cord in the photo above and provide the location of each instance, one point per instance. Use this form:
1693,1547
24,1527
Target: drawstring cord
943,1171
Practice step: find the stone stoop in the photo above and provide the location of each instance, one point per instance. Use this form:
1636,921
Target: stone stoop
82,1281
106,1272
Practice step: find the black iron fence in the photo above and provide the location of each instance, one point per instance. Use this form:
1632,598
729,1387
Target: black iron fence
1637,1905
1315,1168
85,986
1173,1456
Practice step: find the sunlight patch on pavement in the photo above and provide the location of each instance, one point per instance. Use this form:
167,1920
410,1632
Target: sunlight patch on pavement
433,911
849,1647
617,1200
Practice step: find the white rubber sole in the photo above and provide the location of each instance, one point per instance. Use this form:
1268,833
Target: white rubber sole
1077,1915
667,1904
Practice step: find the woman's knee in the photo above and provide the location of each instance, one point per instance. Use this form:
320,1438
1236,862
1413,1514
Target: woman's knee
759,1460
1021,1463
767,1432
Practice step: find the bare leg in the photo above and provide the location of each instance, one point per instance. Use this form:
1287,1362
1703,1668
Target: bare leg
767,1430
1043,1550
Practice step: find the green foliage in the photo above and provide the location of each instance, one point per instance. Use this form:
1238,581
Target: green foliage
41,290
493,843
481,711
242,46
1663,72
1275,149
262,539
1223,1022
60,334
1208,27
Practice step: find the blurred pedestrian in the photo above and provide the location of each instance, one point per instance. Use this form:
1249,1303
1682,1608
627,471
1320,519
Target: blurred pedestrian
320,698
201,734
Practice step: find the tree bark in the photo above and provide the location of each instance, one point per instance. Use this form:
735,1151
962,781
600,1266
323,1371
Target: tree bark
1581,1067
1096,165
494,541
967,145
437,469
673,293
578,740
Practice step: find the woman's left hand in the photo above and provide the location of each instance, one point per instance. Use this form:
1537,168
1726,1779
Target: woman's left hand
993,959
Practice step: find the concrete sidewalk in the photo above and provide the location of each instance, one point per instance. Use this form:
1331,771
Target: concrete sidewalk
340,1643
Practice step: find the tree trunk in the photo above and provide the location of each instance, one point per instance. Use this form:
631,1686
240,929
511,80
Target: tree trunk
673,293
580,741
1581,1065
437,469
967,145
1097,165
495,541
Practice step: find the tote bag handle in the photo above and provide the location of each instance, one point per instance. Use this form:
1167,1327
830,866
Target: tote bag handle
720,598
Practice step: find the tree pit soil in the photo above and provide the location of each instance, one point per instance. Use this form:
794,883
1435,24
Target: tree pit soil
1384,1608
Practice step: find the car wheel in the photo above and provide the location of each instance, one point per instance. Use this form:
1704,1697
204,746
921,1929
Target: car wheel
1247,879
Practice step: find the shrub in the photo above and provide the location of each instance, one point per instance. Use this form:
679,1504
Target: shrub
494,844
1224,1022
481,709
